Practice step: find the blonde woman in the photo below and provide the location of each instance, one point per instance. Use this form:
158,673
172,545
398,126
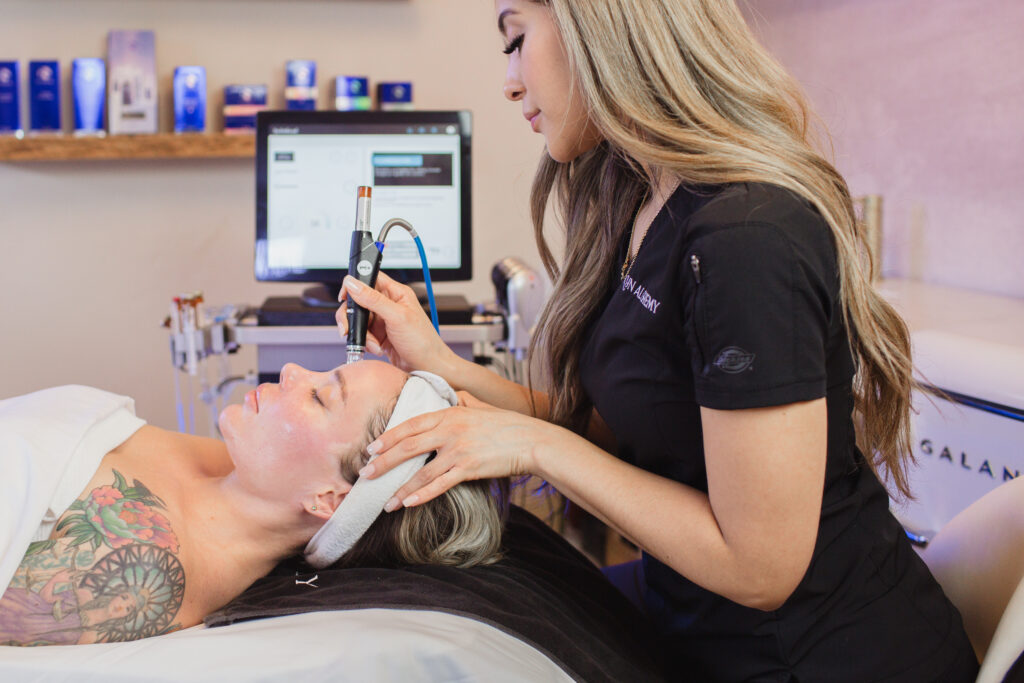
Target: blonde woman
715,353
162,528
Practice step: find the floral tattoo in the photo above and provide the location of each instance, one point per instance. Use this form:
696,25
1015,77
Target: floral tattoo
112,576
118,515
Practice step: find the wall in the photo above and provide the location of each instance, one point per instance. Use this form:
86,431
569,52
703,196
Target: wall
92,252
925,102
924,99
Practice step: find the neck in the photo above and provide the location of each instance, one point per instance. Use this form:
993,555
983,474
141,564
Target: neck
236,536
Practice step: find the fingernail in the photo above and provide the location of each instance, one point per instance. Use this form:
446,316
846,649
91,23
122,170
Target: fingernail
353,284
391,505
373,448
366,471
410,501
373,348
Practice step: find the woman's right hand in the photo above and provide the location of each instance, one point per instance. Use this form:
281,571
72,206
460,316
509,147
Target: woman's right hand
398,327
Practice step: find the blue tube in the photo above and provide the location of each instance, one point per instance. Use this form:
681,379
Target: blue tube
426,281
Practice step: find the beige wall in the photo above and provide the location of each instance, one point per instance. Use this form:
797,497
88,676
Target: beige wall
922,97
925,103
91,253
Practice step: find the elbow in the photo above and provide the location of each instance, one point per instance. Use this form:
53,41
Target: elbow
768,590
767,602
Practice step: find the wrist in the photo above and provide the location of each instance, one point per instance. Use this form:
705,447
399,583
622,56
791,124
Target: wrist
452,367
545,440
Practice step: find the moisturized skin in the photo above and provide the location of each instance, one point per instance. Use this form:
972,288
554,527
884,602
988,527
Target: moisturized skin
539,77
278,436
172,527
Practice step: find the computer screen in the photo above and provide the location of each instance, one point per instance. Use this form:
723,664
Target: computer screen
309,165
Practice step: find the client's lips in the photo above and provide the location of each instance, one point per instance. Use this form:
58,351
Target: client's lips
252,397
532,118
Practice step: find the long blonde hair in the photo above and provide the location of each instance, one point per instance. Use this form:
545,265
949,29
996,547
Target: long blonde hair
684,88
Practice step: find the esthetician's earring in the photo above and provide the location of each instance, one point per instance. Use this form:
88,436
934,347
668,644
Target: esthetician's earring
314,507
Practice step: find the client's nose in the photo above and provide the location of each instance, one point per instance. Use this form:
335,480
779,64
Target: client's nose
290,374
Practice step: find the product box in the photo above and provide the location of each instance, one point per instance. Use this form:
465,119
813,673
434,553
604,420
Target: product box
89,92
352,93
10,108
241,103
301,92
132,95
394,96
190,99
44,96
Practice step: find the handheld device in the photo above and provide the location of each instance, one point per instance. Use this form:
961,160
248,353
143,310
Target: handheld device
363,264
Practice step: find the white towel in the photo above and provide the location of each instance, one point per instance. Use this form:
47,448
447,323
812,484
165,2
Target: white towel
424,392
51,443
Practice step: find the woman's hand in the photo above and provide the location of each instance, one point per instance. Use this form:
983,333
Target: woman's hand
473,441
398,328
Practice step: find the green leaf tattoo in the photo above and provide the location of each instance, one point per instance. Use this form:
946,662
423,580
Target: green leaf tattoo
118,515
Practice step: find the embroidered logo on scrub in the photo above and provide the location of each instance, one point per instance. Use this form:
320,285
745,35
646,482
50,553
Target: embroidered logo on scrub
642,295
733,360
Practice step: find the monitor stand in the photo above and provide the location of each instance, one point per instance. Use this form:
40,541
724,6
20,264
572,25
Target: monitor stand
322,296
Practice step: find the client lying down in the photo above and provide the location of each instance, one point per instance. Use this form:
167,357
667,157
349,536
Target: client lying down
171,527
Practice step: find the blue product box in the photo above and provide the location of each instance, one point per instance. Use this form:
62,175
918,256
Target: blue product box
190,99
352,93
394,96
44,96
89,92
245,94
241,103
132,95
300,92
10,111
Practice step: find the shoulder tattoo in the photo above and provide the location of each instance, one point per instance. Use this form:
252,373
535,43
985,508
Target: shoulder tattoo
113,576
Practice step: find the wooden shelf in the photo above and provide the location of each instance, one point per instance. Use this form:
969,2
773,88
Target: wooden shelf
159,146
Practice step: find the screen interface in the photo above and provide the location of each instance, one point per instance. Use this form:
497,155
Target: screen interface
312,175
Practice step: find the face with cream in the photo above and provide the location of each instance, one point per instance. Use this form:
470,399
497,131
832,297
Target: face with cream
308,433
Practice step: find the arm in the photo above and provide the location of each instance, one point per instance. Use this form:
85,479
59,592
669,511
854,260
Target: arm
400,330
749,539
64,594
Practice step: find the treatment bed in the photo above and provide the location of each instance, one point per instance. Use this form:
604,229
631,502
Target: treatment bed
543,613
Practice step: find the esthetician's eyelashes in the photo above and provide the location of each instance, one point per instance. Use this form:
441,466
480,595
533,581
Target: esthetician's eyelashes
516,43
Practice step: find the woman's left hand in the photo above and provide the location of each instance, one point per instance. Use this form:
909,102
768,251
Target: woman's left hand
473,440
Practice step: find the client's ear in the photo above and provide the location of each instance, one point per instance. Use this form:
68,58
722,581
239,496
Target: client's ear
325,502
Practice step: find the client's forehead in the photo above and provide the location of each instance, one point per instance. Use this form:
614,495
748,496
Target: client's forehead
374,377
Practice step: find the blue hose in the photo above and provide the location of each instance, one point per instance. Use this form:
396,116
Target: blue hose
426,281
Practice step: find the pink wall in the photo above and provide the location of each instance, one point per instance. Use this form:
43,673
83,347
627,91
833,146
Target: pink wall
925,103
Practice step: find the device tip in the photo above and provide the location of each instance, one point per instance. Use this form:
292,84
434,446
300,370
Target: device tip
354,357
365,190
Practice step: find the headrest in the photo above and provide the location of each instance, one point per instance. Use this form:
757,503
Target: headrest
424,392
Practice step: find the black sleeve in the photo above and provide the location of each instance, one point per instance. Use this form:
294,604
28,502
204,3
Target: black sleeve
759,307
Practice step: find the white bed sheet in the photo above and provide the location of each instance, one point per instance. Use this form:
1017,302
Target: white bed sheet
350,645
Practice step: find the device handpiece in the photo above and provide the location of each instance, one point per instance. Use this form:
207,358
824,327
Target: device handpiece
364,265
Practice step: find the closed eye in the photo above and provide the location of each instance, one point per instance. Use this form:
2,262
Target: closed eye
316,397
514,45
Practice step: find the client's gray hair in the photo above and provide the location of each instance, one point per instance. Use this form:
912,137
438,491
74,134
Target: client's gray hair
460,528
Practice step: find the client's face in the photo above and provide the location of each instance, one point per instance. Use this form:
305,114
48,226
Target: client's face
287,438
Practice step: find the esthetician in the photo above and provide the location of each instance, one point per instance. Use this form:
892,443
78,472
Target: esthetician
712,343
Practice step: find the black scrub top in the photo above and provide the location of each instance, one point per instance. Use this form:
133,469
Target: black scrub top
733,302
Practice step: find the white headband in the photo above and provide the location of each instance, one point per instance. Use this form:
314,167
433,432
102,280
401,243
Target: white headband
424,392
